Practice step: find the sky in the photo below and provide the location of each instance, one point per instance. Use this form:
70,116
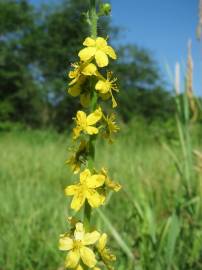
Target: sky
164,28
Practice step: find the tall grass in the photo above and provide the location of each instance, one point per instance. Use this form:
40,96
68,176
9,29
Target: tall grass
31,177
153,221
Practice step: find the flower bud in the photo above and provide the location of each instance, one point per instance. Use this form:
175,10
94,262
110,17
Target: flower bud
106,9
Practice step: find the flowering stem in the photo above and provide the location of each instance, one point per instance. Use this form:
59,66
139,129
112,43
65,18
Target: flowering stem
93,32
92,138
93,18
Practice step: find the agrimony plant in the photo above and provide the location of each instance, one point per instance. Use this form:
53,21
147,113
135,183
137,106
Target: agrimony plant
91,82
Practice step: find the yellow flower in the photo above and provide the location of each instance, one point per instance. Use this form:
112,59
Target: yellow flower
87,69
109,183
104,252
84,97
111,126
74,163
86,189
105,87
79,267
79,157
77,90
78,79
85,123
77,247
99,49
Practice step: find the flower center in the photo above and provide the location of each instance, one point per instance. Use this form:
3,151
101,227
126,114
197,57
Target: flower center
83,125
108,85
77,244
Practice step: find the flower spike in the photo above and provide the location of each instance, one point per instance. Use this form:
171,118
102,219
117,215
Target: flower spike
88,82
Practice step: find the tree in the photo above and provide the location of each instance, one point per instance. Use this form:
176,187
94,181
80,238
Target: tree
62,31
18,97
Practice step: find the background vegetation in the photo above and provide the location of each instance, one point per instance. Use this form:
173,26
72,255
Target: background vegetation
149,222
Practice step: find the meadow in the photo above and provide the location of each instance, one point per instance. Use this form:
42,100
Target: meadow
152,224
155,221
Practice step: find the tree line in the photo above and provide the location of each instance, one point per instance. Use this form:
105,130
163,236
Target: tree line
37,45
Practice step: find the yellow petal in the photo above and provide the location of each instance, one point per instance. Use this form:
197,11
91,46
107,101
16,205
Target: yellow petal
75,168
72,74
101,42
101,58
89,42
79,80
85,100
65,243
79,267
73,81
89,70
84,175
71,190
91,238
94,198
76,132
77,201
96,180
92,130
87,256
79,227
74,90
79,232
81,117
94,117
74,77
102,241
115,186
72,259
114,104
102,86
110,51
86,53
109,183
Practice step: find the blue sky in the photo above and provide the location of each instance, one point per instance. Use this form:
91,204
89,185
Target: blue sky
163,27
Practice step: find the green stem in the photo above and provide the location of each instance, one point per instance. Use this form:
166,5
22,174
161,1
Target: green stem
93,32
93,18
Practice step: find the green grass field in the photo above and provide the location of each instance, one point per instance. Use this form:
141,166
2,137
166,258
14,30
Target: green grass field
143,221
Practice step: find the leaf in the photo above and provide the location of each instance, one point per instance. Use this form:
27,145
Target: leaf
172,238
123,245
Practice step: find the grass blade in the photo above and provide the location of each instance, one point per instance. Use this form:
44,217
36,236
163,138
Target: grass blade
123,245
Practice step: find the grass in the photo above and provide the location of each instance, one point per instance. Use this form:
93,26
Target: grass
142,220
32,204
